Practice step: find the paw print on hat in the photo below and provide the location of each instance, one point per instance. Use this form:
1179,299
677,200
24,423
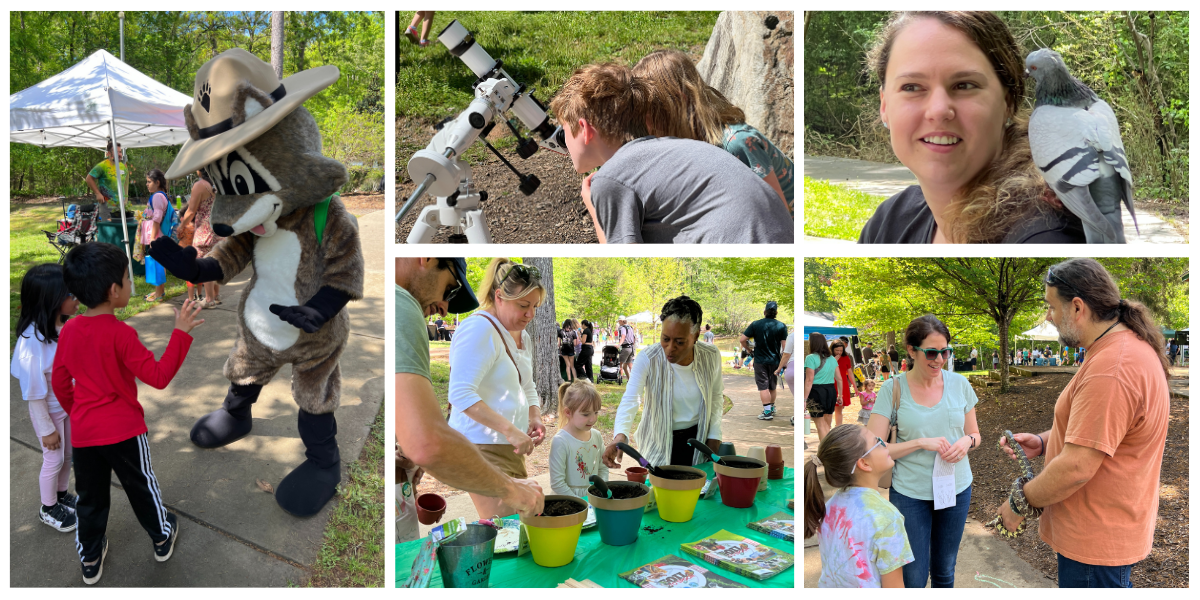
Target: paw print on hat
205,96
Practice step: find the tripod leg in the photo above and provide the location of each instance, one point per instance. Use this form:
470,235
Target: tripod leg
476,228
424,227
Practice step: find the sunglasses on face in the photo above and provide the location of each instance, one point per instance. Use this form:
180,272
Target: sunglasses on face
879,442
452,292
933,353
523,273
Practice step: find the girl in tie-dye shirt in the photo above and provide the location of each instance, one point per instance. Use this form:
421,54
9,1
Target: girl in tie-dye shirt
861,535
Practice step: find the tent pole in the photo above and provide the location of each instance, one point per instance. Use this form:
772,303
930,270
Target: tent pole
112,129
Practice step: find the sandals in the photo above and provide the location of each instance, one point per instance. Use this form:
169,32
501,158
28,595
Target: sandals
412,34
152,297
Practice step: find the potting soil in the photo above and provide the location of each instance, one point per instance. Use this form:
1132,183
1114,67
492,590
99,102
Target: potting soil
740,464
621,492
562,508
677,475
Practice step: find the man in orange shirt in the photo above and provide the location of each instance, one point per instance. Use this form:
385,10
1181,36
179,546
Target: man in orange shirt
1099,489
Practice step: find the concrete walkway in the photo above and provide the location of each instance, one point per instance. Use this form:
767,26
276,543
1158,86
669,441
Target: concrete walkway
984,560
232,534
886,179
740,426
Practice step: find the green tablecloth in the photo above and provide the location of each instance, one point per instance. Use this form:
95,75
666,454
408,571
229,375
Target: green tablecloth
602,563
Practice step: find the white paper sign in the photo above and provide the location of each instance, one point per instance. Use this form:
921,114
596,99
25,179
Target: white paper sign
943,483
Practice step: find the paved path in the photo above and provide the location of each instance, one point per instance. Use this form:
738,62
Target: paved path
740,426
231,533
984,560
886,179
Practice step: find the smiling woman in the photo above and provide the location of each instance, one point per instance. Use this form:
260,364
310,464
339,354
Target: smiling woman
950,87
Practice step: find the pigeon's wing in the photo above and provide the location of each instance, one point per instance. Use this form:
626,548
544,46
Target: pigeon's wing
1061,140
1113,150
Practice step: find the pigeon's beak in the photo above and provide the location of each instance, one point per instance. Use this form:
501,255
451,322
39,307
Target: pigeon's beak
1027,72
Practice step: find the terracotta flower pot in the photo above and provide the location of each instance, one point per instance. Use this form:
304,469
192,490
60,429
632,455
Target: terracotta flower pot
637,474
430,508
774,461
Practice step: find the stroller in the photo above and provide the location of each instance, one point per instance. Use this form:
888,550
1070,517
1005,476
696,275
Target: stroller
610,366
78,226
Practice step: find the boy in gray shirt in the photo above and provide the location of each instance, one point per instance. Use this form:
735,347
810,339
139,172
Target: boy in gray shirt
658,190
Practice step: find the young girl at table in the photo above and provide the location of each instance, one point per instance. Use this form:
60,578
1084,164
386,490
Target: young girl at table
576,449
861,535
45,306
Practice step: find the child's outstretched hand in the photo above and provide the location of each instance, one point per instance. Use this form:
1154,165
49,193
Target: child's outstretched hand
185,319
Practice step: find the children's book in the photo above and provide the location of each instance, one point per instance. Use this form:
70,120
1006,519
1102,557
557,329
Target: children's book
780,525
740,555
674,572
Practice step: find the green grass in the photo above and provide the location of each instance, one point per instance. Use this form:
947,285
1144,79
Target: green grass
352,551
28,247
538,49
835,211
743,372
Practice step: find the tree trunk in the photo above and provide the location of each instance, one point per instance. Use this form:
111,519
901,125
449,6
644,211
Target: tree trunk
277,42
1004,324
545,340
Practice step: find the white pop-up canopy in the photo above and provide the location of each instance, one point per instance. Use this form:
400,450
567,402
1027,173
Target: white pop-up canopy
75,108
1046,332
97,100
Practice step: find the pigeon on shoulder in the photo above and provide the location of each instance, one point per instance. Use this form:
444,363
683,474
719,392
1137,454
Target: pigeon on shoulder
1076,144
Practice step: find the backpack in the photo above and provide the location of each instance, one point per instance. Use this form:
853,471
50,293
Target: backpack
170,219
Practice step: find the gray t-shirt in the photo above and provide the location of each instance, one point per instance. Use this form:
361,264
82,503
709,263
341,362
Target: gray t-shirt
412,336
672,190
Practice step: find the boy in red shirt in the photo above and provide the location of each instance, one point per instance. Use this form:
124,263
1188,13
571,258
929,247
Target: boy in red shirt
94,375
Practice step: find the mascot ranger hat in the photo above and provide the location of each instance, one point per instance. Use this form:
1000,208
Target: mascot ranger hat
236,78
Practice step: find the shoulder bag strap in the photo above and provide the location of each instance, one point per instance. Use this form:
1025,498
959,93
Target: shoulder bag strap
894,426
509,352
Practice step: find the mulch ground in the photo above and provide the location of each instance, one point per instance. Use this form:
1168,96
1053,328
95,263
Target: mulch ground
1029,407
554,214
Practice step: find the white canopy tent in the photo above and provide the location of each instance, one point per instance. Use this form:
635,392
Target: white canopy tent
1046,332
643,317
98,100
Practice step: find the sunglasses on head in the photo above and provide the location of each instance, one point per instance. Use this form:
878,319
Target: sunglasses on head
933,353
523,273
1058,282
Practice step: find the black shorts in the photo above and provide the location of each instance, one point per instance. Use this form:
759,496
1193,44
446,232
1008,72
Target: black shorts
765,377
821,400
884,369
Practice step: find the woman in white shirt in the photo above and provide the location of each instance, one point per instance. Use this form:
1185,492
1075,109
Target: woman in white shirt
679,380
493,399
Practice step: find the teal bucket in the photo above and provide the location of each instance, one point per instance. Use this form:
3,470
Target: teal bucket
619,520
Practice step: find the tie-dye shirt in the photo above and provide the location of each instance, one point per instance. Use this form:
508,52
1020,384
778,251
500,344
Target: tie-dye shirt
861,537
105,175
757,152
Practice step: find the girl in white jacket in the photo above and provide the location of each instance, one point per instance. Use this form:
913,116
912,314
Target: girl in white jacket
45,305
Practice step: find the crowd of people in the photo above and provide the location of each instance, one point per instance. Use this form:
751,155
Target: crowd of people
1109,433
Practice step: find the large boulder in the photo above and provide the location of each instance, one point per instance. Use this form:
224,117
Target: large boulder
751,59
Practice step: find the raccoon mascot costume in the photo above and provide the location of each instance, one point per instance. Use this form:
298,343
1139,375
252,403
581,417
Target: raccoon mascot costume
275,206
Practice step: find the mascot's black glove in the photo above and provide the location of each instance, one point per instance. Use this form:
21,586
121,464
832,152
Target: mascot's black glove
313,315
182,262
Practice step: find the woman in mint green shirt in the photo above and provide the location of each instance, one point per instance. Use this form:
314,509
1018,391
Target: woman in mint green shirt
936,418
822,383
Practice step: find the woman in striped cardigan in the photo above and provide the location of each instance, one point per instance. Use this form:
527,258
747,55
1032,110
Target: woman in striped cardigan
679,380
